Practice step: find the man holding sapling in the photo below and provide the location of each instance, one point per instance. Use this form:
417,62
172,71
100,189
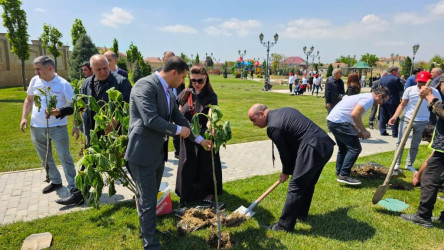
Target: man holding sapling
46,80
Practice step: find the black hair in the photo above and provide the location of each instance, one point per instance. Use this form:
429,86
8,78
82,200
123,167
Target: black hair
175,63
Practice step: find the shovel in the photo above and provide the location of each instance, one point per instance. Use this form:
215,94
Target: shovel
248,212
382,189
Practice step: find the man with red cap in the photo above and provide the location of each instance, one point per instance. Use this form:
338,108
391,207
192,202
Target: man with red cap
409,100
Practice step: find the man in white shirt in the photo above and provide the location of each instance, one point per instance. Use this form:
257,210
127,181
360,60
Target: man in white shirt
46,78
345,122
409,100
291,81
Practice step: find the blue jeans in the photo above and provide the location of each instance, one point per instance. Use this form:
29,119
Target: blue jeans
317,89
58,135
418,128
349,146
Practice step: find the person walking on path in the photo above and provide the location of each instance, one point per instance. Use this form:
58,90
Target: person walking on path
393,83
431,177
153,110
291,81
316,84
334,89
345,122
47,79
304,149
409,100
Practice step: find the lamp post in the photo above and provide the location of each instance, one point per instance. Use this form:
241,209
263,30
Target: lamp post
268,45
308,53
312,59
241,62
415,49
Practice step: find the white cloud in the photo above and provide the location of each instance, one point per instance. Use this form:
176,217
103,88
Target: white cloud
240,27
322,28
118,16
212,19
178,29
39,10
430,13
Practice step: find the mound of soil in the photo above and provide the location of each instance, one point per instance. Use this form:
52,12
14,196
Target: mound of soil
225,242
235,219
370,170
195,218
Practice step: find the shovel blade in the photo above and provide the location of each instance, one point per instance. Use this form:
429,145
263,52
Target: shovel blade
244,211
379,194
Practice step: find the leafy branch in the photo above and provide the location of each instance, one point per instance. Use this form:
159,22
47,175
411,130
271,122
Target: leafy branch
219,135
103,161
51,102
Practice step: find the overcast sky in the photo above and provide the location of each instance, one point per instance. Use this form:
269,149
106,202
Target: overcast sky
334,28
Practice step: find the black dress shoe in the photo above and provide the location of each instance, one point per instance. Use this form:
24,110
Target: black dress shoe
51,187
76,198
385,134
276,227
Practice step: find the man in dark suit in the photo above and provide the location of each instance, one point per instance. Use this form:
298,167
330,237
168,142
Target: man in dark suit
304,149
334,89
153,110
388,109
112,60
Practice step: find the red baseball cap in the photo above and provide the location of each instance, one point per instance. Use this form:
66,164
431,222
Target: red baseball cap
423,76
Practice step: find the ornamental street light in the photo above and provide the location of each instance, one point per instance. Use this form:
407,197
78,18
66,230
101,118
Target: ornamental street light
312,59
268,45
415,49
308,53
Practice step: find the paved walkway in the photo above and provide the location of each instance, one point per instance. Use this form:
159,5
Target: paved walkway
21,195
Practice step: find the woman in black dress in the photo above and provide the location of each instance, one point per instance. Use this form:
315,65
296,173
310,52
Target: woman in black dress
195,175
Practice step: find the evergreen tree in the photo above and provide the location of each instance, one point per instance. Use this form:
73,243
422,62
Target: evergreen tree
50,39
184,57
77,31
144,67
330,70
82,52
121,63
209,62
14,20
406,66
197,60
137,73
115,47
133,54
432,65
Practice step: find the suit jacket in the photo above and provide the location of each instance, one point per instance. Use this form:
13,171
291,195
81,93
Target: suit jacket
393,83
333,90
151,121
292,132
122,72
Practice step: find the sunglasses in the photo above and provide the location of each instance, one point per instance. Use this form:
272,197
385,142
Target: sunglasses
198,81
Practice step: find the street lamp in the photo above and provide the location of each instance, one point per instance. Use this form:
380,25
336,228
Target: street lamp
312,59
241,61
268,45
308,53
415,49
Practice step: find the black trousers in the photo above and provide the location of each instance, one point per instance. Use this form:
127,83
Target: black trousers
301,187
430,183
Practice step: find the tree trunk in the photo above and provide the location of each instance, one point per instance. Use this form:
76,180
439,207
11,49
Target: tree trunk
55,61
23,74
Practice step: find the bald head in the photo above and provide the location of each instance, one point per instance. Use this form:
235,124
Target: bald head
436,72
258,115
167,54
100,66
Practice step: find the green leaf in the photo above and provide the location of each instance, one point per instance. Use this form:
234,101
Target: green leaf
216,114
93,104
38,102
114,95
111,188
195,126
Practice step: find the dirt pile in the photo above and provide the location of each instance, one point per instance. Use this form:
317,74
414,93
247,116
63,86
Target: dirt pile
369,170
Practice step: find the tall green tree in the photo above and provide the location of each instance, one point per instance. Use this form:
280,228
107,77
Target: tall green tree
137,73
197,60
437,59
329,70
115,47
209,62
133,54
82,52
77,31
14,20
184,57
370,59
349,60
406,66
50,39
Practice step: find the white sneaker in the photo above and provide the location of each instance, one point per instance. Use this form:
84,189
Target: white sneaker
397,172
411,168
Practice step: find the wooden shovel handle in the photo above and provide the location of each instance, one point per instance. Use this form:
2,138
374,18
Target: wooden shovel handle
404,138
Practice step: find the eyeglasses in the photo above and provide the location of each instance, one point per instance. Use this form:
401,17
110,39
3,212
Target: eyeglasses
198,81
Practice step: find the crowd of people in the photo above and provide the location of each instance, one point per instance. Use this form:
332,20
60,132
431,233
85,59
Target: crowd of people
162,107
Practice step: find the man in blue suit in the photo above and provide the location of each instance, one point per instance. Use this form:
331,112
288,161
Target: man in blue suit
388,109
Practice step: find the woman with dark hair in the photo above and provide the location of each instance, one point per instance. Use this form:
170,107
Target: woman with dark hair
195,175
353,86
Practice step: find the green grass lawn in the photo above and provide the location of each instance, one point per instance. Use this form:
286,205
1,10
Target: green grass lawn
341,217
235,98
